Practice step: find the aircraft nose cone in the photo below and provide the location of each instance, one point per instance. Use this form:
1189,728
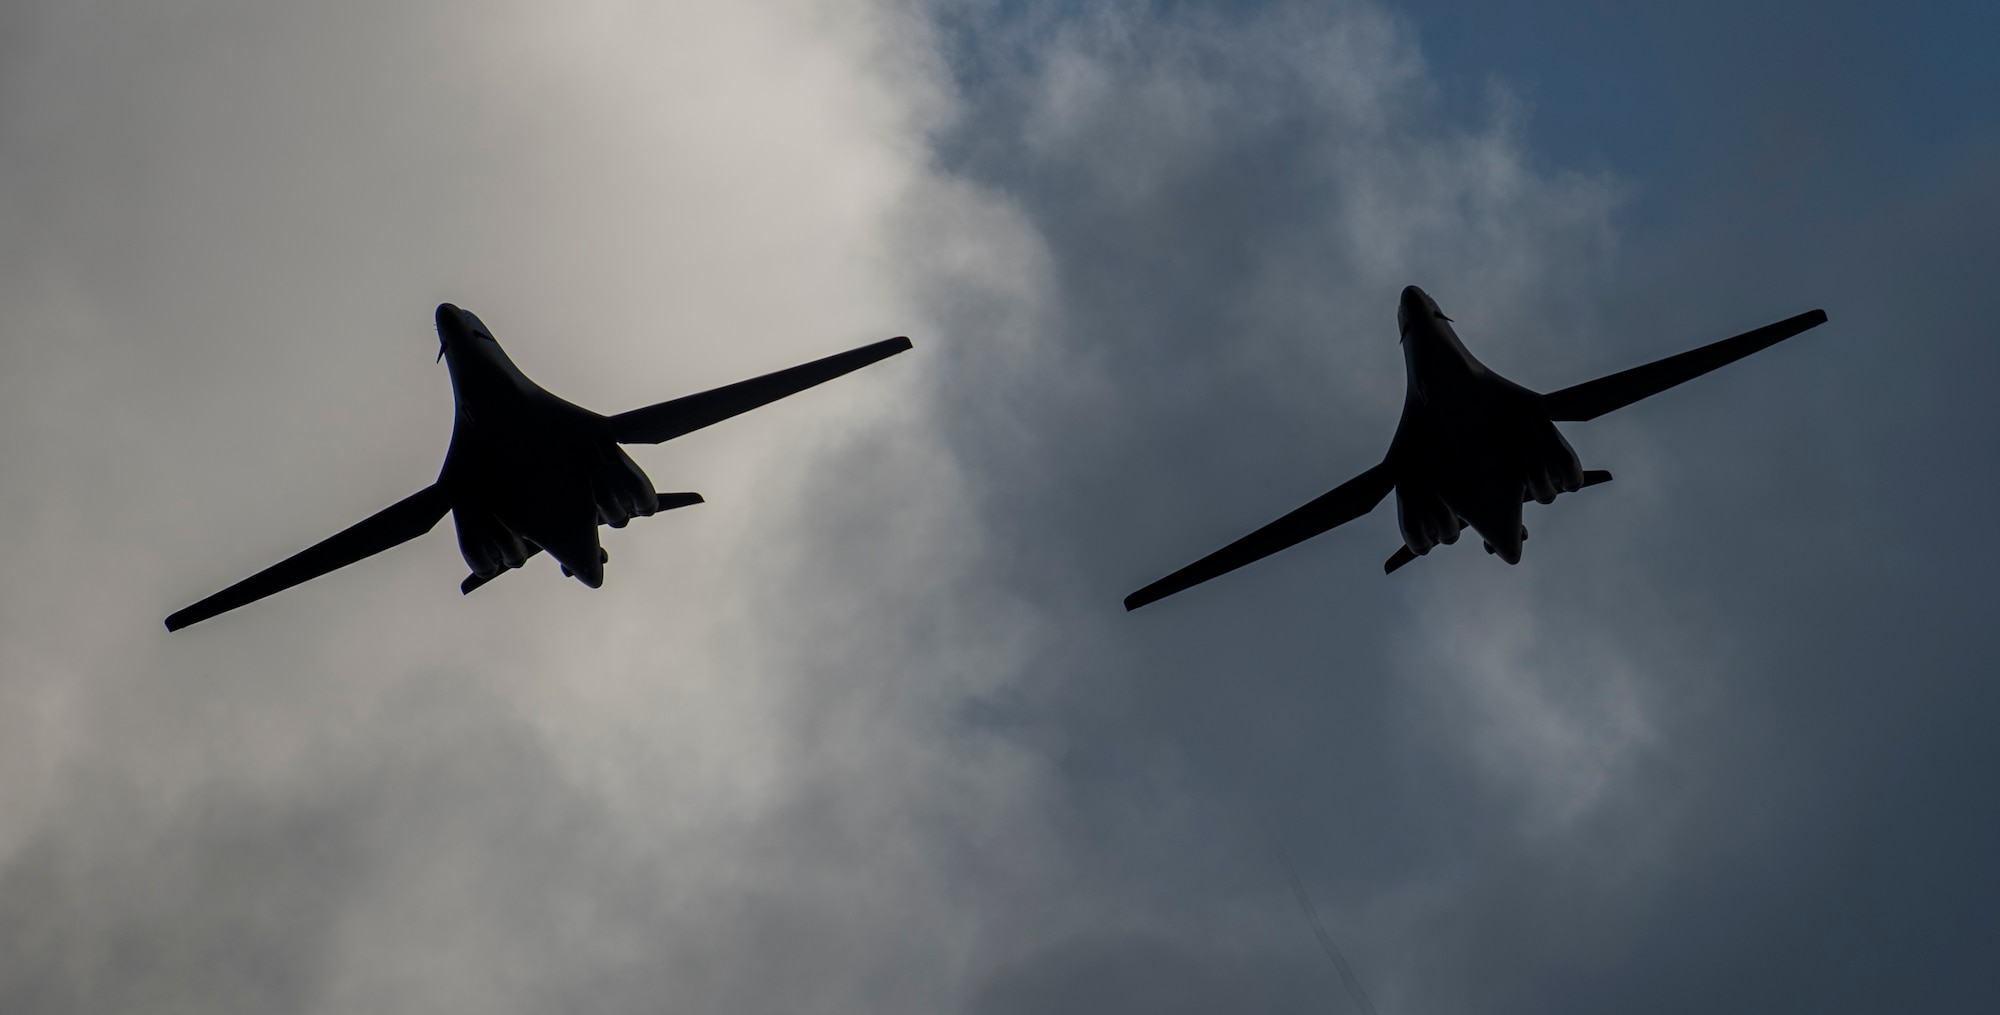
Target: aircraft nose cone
1414,306
450,324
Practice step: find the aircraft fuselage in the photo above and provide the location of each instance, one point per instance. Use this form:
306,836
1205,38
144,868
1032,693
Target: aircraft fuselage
527,470
1471,445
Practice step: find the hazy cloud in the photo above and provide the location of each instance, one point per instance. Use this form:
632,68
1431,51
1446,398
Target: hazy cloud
868,731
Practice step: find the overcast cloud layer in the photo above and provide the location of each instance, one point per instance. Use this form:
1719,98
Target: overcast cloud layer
868,731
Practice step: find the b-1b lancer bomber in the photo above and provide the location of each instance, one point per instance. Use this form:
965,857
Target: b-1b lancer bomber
1471,448
528,472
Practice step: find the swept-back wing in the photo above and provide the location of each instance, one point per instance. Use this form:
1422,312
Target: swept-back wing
667,420
398,523
1592,399
1342,504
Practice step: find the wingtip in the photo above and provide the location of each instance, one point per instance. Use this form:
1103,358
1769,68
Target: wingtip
1133,602
901,343
172,626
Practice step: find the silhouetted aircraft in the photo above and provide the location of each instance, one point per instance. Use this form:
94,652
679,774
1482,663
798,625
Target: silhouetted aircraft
527,471
1471,448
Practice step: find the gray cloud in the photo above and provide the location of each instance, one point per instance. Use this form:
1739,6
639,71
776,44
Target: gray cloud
868,731
227,227
1612,777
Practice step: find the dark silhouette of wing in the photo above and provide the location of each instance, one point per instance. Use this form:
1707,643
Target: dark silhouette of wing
399,523
1592,399
1344,503
668,420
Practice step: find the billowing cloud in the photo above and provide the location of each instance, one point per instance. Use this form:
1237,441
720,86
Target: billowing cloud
868,731
227,228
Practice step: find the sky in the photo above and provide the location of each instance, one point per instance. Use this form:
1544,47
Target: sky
868,731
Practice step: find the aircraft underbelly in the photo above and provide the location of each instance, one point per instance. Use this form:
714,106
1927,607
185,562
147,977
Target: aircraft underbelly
1491,463
535,493
1476,469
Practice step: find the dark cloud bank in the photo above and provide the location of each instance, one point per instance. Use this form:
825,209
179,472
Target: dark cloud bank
1718,745
1722,742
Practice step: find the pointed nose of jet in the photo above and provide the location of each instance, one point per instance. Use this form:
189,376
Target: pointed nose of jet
450,326
1414,306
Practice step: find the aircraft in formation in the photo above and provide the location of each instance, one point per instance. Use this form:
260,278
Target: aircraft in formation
1471,447
528,472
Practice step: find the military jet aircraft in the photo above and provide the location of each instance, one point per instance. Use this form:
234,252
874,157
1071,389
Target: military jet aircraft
528,472
1471,448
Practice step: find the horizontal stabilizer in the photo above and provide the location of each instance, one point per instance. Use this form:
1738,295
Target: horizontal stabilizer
670,501
399,523
1592,477
1592,399
1403,555
1342,504
475,579
667,420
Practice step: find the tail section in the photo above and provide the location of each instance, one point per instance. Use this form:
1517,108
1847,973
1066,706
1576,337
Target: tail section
1404,555
668,501
1504,534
